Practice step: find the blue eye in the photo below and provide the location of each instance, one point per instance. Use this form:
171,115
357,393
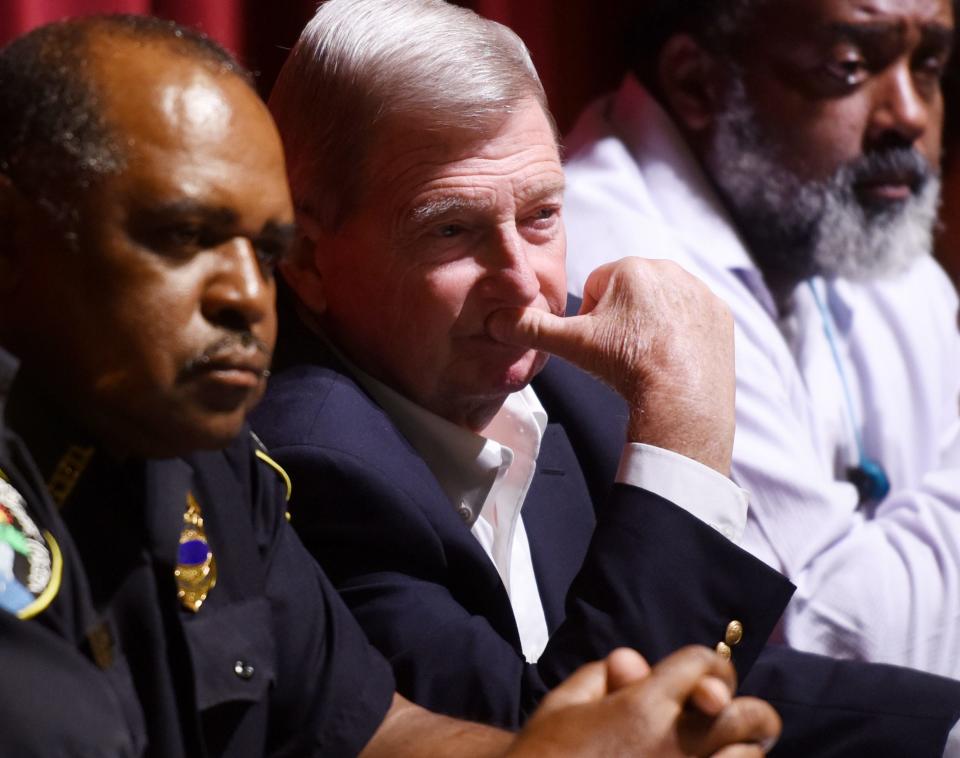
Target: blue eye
449,230
543,219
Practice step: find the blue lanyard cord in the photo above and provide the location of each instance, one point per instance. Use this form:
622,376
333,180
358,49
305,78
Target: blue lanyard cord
831,339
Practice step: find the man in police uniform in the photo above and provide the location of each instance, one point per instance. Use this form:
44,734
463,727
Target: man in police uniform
154,599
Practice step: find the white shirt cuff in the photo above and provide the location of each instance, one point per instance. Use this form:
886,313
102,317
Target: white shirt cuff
952,748
698,489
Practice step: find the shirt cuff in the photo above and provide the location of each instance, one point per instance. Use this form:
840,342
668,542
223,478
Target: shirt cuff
698,489
952,748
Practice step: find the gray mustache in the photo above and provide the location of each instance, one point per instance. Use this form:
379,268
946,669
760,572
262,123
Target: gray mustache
901,161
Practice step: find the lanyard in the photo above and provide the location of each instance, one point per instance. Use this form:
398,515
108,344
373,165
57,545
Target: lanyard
868,475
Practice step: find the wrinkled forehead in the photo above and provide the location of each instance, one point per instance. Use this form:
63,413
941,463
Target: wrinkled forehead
414,143
793,21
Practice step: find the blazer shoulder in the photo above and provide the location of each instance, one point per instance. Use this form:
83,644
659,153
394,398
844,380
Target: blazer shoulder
317,418
307,403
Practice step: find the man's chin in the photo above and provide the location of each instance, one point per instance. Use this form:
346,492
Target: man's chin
173,437
214,421
520,373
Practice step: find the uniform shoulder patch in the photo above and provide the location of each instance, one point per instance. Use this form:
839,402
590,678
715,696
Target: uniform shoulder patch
31,565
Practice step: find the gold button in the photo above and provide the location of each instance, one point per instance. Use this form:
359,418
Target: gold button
734,633
723,650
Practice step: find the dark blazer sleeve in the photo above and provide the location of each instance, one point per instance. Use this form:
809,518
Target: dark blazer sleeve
654,576
834,708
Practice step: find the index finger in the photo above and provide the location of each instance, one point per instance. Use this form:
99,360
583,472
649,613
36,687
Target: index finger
598,282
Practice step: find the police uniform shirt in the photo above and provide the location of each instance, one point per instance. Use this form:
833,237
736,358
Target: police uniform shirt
109,661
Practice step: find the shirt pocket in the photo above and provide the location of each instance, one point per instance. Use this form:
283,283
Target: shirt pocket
233,652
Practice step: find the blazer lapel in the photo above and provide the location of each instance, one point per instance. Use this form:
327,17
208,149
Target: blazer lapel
559,520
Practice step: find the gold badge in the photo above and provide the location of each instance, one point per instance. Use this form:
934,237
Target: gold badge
196,571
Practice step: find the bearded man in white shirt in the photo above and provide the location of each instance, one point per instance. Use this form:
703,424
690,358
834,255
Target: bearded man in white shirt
786,152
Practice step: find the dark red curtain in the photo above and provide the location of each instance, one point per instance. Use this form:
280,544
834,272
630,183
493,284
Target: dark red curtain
575,44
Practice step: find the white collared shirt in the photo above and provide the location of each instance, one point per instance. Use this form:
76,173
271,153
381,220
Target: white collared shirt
514,435
487,476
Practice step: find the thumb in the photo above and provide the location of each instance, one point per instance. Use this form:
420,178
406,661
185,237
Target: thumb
536,329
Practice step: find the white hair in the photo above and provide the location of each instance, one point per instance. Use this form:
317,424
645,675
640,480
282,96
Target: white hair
361,65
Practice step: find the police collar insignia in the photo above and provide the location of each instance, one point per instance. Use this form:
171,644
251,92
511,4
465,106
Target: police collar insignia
30,562
196,571
70,468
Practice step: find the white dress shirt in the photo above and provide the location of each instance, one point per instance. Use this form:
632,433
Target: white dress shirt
878,582
486,476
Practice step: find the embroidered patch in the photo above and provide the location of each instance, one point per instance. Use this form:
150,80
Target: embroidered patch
30,561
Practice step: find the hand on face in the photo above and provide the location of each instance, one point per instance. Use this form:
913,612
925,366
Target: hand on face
661,339
682,707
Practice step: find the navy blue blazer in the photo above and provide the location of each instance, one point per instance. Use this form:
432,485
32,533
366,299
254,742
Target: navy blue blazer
615,565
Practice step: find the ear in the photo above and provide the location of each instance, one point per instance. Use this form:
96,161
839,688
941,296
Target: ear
303,270
690,79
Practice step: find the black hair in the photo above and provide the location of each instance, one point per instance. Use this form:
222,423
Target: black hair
53,134
713,23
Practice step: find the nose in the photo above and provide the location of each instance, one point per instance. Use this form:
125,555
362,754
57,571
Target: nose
902,111
511,276
239,293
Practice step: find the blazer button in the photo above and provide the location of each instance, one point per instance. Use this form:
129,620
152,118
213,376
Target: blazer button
723,650
243,669
734,633
465,513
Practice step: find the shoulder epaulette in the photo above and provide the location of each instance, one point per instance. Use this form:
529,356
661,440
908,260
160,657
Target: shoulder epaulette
261,453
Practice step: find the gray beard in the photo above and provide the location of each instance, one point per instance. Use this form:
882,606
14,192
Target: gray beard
801,228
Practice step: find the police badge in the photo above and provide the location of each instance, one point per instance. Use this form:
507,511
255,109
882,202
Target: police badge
196,571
